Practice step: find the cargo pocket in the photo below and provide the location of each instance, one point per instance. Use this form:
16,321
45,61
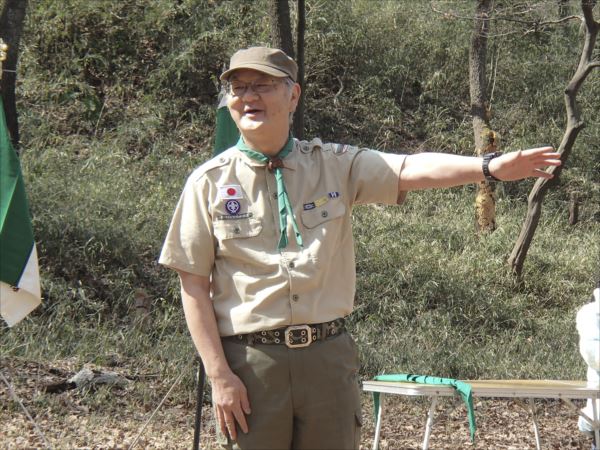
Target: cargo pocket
358,422
243,228
324,214
235,238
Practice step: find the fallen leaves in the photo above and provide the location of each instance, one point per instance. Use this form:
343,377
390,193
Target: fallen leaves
112,418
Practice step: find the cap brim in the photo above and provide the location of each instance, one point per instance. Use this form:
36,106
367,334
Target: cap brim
258,67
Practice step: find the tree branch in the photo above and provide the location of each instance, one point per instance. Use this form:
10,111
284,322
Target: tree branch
587,6
574,125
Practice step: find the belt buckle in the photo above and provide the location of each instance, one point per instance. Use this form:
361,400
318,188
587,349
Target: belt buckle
305,338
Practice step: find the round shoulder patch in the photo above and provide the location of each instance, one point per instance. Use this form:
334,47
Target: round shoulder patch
339,149
305,147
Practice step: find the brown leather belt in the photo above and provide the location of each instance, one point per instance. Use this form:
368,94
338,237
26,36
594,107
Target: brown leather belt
294,336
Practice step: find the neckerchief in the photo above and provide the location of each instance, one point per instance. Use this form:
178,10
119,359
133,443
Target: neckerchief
283,201
463,389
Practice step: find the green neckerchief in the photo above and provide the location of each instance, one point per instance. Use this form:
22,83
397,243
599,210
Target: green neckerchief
463,389
283,201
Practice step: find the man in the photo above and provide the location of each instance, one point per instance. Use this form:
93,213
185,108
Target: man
261,239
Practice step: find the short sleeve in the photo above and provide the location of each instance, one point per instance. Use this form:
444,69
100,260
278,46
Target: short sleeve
189,244
374,176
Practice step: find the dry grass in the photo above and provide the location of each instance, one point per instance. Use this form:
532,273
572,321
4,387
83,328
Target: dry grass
112,418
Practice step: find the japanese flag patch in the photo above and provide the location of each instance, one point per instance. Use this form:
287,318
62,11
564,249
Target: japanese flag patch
230,191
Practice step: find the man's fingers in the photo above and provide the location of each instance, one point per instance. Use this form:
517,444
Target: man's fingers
543,159
538,150
245,403
543,174
227,423
241,419
221,420
231,427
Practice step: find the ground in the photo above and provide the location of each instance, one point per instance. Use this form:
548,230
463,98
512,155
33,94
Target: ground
112,418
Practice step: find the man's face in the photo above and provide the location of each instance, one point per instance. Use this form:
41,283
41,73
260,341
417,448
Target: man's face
266,112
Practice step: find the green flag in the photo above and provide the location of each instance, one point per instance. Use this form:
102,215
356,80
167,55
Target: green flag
19,273
226,133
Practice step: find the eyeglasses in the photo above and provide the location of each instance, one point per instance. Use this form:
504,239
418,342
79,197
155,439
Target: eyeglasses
239,88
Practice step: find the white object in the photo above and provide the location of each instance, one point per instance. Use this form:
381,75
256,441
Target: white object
588,326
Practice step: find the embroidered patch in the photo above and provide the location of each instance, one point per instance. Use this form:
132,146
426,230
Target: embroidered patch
230,191
334,194
233,207
321,201
309,206
235,217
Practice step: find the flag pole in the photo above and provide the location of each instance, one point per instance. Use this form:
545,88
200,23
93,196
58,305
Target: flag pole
16,398
3,50
200,379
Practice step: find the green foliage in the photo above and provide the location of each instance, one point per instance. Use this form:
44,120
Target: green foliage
446,299
116,104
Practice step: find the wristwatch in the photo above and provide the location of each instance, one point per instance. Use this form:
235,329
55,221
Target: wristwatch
485,166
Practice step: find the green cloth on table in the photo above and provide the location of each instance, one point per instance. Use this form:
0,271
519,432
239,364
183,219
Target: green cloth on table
463,389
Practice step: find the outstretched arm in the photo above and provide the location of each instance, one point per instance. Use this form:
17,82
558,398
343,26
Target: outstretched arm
440,170
229,393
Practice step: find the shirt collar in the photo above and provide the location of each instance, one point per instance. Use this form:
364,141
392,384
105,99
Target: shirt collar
290,161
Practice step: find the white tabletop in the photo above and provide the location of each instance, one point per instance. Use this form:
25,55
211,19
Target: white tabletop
571,389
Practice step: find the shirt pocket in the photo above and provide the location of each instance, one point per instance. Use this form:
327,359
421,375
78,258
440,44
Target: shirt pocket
237,229
331,210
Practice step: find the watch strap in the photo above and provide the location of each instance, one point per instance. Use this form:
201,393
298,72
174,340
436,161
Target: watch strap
485,166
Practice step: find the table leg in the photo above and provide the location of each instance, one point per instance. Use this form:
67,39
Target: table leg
378,424
536,431
596,417
429,424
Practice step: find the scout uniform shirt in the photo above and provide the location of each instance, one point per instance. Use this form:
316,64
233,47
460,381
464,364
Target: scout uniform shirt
226,226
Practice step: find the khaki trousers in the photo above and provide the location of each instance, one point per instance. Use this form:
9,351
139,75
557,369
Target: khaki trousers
302,398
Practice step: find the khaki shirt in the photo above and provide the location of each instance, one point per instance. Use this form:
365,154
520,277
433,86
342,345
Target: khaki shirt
226,226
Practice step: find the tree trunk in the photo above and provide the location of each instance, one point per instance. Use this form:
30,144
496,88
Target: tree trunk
574,126
11,27
573,208
485,138
281,29
299,114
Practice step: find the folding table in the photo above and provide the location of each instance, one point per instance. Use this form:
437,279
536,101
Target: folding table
516,389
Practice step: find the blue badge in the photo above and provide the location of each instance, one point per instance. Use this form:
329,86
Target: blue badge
334,194
308,206
232,206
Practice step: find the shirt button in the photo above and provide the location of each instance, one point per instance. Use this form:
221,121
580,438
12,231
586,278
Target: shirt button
275,195
324,214
236,230
295,297
291,265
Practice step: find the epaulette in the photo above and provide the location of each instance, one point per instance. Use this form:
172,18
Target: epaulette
213,163
309,147
317,145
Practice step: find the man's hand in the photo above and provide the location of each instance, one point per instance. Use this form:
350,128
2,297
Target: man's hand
231,403
524,163
229,393
442,170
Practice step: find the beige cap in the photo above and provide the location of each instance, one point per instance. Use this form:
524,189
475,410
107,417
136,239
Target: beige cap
271,61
